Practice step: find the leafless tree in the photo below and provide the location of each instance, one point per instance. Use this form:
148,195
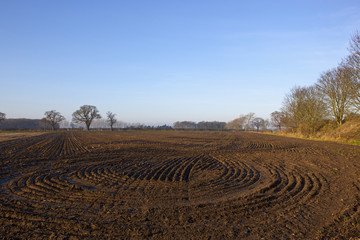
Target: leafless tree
352,66
236,124
244,122
249,120
303,109
111,119
315,109
258,123
86,114
277,119
354,58
334,86
2,116
293,108
53,118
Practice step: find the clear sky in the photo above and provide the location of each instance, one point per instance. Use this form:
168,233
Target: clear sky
157,62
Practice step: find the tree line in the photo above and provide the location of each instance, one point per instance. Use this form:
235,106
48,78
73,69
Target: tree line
86,114
200,125
334,98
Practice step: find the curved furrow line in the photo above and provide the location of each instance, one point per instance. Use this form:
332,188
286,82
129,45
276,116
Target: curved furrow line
171,175
155,175
167,174
179,173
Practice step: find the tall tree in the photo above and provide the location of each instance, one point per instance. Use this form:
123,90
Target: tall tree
352,64
334,86
277,119
111,119
53,118
86,114
354,58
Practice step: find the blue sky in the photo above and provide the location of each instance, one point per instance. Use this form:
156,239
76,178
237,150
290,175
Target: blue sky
157,62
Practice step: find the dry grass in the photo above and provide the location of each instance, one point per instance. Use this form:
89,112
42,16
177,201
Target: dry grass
348,133
10,135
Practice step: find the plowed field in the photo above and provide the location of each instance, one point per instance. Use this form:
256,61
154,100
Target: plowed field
177,185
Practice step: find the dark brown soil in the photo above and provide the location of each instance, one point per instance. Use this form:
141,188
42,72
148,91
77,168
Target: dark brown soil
177,185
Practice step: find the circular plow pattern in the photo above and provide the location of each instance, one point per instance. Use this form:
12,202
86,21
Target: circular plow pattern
225,185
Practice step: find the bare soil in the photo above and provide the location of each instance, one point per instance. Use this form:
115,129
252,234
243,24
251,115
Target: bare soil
177,185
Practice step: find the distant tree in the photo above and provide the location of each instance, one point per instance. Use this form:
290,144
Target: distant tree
44,124
266,124
86,114
277,119
258,123
53,118
111,119
237,123
2,116
249,120
185,125
244,122
210,125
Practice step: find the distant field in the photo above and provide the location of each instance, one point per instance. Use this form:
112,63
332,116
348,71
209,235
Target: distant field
9,135
177,185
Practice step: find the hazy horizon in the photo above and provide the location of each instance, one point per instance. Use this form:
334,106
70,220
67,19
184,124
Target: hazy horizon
160,62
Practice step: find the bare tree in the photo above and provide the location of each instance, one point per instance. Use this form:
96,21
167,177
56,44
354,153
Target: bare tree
354,58
315,109
258,123
249,120
111,119
53,118
277,119
352,66
86,114
244,122
2,116
236,124
293,107
337,93
303,109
